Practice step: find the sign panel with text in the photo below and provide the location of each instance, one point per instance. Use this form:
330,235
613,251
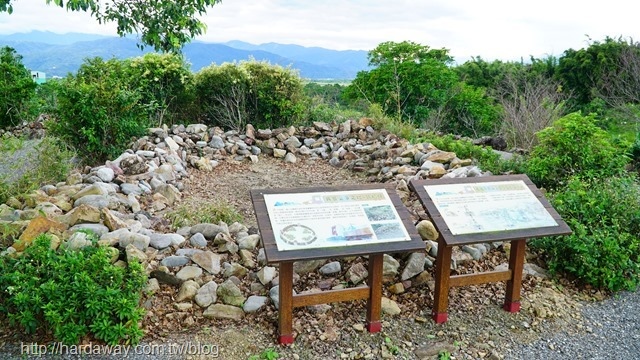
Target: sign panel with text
336,218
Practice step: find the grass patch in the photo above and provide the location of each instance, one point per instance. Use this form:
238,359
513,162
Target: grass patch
189,214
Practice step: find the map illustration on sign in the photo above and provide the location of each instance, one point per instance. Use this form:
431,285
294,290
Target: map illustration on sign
491,206
329,219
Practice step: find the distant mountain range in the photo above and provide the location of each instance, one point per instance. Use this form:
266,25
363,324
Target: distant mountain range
60,54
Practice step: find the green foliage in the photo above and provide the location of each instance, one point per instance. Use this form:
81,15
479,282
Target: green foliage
98,111
269,96
16,87
414,83
162,81
574,145
267,354
48,163
604,249
192,214
164,25
486,158
586,73
72,293
393,348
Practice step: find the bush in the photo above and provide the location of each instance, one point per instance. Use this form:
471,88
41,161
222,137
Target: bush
162,81
189,215
574,145
16,87
72,293
98,112
232,95
604,249
48,162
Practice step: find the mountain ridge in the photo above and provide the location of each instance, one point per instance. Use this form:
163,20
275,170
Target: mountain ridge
60,54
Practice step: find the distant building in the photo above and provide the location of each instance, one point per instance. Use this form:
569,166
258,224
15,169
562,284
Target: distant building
39,77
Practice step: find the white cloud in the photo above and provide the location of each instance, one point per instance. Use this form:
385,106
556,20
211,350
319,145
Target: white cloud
495,29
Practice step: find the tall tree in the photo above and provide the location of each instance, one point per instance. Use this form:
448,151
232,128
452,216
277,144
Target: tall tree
162,24
16,87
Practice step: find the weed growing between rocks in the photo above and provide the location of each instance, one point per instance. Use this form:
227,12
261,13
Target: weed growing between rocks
72,293
192,214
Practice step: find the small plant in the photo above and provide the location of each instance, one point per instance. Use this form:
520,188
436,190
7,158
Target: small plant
444,355
72,293
267,354
393,349
192,214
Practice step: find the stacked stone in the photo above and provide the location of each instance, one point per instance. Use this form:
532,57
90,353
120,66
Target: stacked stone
220,267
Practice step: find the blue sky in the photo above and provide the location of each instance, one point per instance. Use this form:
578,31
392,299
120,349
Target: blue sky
492,29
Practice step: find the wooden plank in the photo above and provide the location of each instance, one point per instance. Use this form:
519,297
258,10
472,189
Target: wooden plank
441,291
374,304
516,265
330,296
479,278
285,306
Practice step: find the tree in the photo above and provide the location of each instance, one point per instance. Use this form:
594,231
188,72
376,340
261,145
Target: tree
16,87
164,25
414,83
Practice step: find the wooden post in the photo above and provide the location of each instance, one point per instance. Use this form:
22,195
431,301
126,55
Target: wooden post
514,285
443,272
285,297
374,303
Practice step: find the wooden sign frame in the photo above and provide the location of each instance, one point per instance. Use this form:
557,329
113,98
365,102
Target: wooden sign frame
517,237
375,251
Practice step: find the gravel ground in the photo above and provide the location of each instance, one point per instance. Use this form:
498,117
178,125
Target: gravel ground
611,331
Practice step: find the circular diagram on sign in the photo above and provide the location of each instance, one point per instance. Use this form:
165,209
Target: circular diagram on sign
298,235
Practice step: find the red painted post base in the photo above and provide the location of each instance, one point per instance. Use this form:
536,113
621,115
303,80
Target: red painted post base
512,307
285,339
440,318
374,327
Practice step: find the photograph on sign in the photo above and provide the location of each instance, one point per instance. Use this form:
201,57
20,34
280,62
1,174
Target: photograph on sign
330,219
492,206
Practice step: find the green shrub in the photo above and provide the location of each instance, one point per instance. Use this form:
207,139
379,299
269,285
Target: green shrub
574,145
48,162
72,293
192,214
162,80
605,218
232,95
16,87
98,112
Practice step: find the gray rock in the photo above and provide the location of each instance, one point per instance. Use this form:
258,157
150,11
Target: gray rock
161,241
77,241
198,240
207,294
207,260
249,242
390,307
356,273
415,265
266,274
97,229
153,285
187,252
427,231
433,251
234,269
208,230
189,272
389,266
188,291
105,174
229,293
135,254
221,311
254,303
474,252
175,261
216,142
331,268
165,278
305,267
98,201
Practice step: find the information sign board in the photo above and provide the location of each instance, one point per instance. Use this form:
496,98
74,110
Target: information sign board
336,218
